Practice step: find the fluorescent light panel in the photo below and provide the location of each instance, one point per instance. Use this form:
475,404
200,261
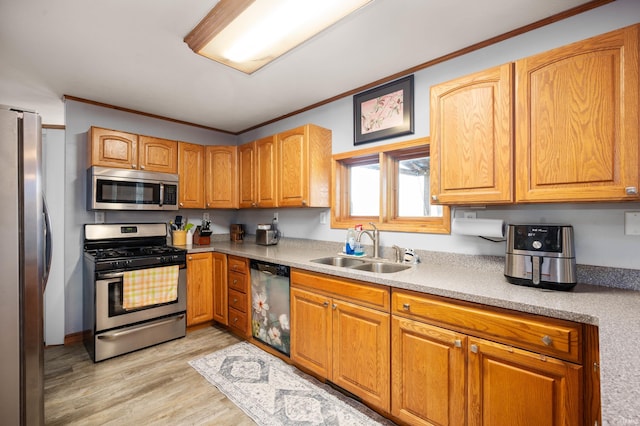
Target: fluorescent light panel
248,34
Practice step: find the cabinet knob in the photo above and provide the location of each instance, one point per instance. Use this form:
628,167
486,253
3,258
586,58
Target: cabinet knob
235,300
434,197
631,190
190,257
235,319
334,306
181,204
235,281
547,340
254,204
457,343
304,202
208,204
325,304
133,166
406,306
474,349
141,167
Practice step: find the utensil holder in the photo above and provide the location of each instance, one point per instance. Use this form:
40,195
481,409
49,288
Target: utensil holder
179,238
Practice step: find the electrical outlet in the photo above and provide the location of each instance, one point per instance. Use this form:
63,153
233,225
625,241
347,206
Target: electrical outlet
275,216
469,215
205,216
631,223
99,217
323,218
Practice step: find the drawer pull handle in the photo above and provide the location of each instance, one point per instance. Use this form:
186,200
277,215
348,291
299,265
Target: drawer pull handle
631,190
235,281
457,343
406,306
235,319
474,349
547,340
235,300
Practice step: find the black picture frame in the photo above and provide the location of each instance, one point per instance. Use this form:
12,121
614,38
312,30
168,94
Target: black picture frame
375,106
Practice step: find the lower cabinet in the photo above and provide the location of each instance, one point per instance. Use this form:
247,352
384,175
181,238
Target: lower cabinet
220,306
340,330
441,374
199,288
239,295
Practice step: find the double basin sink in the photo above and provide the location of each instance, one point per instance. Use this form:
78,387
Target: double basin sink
370,265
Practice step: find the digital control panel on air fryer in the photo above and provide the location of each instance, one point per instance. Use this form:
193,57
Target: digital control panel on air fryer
538,238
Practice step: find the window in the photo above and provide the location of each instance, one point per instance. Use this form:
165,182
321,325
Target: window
389,186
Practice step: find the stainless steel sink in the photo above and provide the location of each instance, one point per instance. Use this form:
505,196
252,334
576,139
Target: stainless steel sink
346,262
381,267
361,265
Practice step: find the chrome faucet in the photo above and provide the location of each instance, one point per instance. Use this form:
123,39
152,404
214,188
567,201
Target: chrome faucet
374,234
399,253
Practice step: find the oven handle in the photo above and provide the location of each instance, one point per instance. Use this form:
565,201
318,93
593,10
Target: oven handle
107,275
115,335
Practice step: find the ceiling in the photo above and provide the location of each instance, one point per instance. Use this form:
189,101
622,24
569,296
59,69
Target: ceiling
131,54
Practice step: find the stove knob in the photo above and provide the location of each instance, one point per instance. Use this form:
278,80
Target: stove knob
536,244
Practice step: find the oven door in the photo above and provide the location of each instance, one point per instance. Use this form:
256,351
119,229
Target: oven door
110,313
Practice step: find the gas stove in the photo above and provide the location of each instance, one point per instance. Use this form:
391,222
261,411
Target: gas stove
113,247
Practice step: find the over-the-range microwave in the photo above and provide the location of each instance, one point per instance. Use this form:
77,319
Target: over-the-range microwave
123,189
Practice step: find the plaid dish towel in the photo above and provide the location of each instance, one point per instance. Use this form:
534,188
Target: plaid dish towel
149,286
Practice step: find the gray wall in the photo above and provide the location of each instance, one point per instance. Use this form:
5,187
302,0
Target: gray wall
599,227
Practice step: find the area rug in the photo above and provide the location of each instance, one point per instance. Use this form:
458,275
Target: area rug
273,392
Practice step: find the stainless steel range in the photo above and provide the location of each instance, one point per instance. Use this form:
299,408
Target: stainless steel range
135,288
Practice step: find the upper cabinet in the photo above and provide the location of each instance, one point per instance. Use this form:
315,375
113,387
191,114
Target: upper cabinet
220,177
257,173
472,139
571,136
191,175
112,148
304,158
577,121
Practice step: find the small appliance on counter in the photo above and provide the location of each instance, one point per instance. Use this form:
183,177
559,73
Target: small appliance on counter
541,256
267,234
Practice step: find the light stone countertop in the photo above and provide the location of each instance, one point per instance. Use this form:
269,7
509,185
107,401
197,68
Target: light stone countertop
480,279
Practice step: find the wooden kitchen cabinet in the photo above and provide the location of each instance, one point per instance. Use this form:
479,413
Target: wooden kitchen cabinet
112,148
577,121
239,296
191,175
258,171
304,159
471,144
220,177
220,292
517,369
199,288
340,330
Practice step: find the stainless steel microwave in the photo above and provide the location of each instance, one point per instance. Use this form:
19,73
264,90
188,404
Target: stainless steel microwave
123,189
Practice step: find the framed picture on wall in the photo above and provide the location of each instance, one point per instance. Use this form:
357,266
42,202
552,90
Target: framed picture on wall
383,112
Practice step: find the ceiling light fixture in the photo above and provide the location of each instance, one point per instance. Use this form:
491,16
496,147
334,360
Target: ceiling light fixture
248,34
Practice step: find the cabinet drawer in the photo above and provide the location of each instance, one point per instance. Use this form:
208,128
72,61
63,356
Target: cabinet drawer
238,282
237,300
237,264
371,295
238,321
549,336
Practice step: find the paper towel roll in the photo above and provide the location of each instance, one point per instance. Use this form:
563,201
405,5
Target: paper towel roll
493,228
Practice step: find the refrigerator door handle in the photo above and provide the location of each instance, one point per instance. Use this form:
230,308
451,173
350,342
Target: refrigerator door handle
48,243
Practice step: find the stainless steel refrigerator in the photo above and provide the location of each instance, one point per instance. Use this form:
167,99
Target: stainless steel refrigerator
25,239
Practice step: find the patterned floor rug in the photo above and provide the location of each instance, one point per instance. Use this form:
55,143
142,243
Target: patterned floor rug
274,393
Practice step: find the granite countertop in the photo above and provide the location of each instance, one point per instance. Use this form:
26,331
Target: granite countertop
480,279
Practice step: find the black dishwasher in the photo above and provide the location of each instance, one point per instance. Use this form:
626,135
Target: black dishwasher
270,304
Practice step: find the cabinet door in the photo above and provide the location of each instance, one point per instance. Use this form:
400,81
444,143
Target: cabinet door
111,148
361,352
428,374
157,155
577,121
199,288
219,277
311,343
511,387
191,175
293,179
472,138
221,184
247,175
266,172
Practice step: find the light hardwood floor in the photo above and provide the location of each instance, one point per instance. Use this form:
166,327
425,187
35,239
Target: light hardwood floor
154,386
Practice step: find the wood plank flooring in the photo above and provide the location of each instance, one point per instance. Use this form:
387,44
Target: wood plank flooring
152,386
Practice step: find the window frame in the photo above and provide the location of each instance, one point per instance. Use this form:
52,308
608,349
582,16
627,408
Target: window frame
388,157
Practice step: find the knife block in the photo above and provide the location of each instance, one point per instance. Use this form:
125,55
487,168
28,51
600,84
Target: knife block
201,238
